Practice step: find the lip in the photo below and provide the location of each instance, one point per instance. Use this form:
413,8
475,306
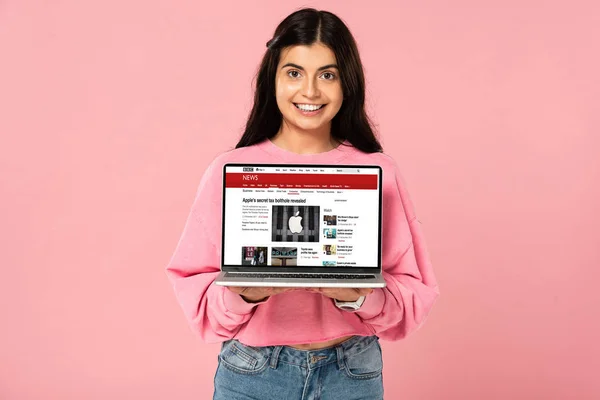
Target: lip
310,113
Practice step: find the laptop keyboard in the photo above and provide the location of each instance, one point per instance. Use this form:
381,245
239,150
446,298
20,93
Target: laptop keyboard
293,276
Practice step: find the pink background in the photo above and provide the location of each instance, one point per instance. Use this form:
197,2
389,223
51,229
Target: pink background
110,111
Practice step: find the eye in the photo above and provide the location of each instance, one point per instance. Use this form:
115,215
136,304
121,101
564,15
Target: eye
329,75
293,73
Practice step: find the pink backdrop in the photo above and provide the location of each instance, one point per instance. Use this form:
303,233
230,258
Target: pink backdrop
109,112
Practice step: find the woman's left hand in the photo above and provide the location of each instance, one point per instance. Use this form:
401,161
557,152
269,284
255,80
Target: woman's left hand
342,294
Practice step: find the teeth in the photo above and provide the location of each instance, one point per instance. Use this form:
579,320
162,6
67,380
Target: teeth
308,107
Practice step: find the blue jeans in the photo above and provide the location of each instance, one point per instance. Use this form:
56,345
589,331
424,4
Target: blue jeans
351,370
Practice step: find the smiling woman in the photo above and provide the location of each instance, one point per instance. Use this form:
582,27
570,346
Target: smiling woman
313,66
281,343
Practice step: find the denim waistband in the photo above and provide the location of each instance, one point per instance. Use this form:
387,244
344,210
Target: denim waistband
319,357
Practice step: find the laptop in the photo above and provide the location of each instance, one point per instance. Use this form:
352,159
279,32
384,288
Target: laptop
301,225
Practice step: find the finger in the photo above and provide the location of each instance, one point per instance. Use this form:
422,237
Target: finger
237,289
331,291
280,290
325,289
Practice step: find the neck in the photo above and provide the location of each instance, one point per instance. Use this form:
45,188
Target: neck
304,142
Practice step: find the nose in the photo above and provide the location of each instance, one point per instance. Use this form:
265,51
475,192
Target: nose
310,88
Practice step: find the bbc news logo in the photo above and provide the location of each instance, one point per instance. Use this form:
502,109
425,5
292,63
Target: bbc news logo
248,169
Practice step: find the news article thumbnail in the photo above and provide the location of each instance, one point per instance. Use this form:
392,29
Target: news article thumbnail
329,249
330,233
254,255
330,219
295,223
284,256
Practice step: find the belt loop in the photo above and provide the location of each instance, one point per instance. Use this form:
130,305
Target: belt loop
340,356
275,356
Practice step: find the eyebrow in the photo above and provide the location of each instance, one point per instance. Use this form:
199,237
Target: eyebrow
302,69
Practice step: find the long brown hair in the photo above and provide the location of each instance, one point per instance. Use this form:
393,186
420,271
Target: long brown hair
305,27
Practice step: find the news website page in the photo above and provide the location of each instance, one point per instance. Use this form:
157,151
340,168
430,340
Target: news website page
312,217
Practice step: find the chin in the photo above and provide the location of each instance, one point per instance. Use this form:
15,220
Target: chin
311,127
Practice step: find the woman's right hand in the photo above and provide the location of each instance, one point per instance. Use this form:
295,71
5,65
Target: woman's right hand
257,294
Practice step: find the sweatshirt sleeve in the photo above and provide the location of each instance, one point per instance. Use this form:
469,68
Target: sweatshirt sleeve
213,312
403,305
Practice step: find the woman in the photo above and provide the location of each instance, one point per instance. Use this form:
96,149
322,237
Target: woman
298,343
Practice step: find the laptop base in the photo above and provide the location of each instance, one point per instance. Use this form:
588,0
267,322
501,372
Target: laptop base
298,280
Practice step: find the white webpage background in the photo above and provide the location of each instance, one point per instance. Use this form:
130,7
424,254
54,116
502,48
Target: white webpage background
360,203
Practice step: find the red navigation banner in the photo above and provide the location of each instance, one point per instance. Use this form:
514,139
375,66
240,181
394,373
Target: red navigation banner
301,181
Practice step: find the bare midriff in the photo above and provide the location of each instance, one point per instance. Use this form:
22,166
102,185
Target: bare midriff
320,345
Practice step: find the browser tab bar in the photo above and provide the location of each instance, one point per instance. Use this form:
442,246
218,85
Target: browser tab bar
303,170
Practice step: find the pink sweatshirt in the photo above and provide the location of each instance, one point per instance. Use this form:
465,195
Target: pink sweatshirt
217,314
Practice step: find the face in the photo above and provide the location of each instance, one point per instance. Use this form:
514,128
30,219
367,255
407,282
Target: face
308,88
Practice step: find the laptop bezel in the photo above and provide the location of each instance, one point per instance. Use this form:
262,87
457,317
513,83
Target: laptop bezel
304,269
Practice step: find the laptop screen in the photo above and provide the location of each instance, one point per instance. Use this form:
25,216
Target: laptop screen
279,216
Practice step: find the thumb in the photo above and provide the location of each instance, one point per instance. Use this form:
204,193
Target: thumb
236,289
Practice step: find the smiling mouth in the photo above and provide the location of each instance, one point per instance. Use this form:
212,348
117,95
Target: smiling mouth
309,107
